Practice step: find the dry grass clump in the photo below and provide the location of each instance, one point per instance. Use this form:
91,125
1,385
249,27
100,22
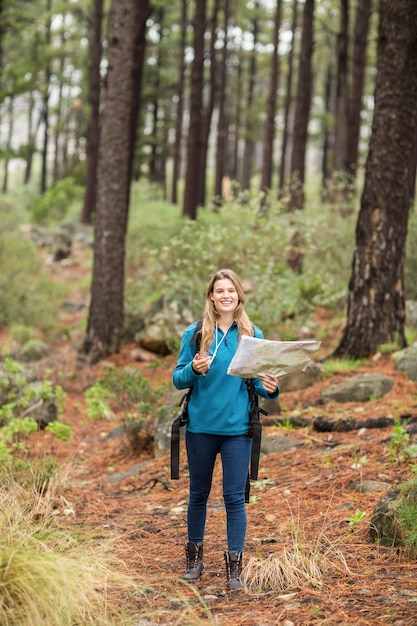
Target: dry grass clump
49,574
300,565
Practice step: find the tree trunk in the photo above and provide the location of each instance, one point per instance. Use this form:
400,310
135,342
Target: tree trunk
10,115
45,105
413,169
105,322
288,100
93,129
195,128
268,148
302,110
326,132
207,111
341,111
376,308
248,151
180,107
360,40
222,122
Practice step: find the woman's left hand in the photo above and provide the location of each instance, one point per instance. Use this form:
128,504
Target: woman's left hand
269,382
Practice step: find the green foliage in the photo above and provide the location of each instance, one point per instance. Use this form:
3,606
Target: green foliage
357,517
61,431
53,206
331,366
128,394
407,512
97,400
400,449
175,260
26,291
16,400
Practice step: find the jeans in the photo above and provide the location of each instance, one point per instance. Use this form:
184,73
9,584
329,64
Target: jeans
235,454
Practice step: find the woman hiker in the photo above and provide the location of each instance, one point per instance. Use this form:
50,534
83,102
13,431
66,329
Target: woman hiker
218,419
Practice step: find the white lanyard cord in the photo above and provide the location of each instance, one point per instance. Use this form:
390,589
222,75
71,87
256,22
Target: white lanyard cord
219,343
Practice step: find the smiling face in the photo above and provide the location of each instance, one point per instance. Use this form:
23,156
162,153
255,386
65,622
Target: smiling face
224,296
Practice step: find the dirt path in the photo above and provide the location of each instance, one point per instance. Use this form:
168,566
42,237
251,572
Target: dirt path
303,501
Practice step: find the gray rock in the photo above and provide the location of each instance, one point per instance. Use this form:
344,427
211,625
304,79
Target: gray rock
360,388
384,527
411,313
367,486
407,362
165,418
34,350
302,380
270,444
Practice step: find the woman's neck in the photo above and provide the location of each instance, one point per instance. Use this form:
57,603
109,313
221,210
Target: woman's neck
224,322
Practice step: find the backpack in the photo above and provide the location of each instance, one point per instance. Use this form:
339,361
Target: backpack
255,426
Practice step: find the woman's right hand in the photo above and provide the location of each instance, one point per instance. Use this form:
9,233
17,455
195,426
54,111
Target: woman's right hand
201,363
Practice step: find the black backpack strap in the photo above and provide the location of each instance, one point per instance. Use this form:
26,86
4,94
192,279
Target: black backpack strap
196,338
177,424
255,431
182,418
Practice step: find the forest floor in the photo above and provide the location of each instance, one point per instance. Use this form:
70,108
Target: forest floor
303,503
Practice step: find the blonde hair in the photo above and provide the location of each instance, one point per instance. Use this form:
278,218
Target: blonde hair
211,316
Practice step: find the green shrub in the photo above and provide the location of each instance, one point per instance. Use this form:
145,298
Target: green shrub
175,260
27,293
52,207
129,395
16,398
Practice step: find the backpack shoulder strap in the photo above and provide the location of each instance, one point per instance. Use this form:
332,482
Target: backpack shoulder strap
196,338
182,418
177,424
255,431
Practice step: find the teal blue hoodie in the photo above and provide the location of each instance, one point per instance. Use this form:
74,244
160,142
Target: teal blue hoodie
219,404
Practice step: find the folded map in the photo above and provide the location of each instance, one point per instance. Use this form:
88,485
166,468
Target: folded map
255,357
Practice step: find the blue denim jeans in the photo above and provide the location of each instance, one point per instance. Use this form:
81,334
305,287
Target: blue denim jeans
235,453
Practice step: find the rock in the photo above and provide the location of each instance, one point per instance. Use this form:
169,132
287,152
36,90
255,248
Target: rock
278,444
34,350
272,407
302,380
142,355
411,313
360,388
367,486
407,362
163,325
384,527
165,418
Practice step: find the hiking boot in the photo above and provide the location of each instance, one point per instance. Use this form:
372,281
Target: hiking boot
233,561
194,556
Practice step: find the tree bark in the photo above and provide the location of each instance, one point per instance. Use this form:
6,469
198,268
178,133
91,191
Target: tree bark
360,40
196,102
105,322
93,130
222,122
176,170
268,148
248,151
376,308
302,110
45,104
207,110
341,105
288,100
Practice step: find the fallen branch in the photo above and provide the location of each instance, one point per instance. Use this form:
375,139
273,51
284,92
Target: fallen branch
323,424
